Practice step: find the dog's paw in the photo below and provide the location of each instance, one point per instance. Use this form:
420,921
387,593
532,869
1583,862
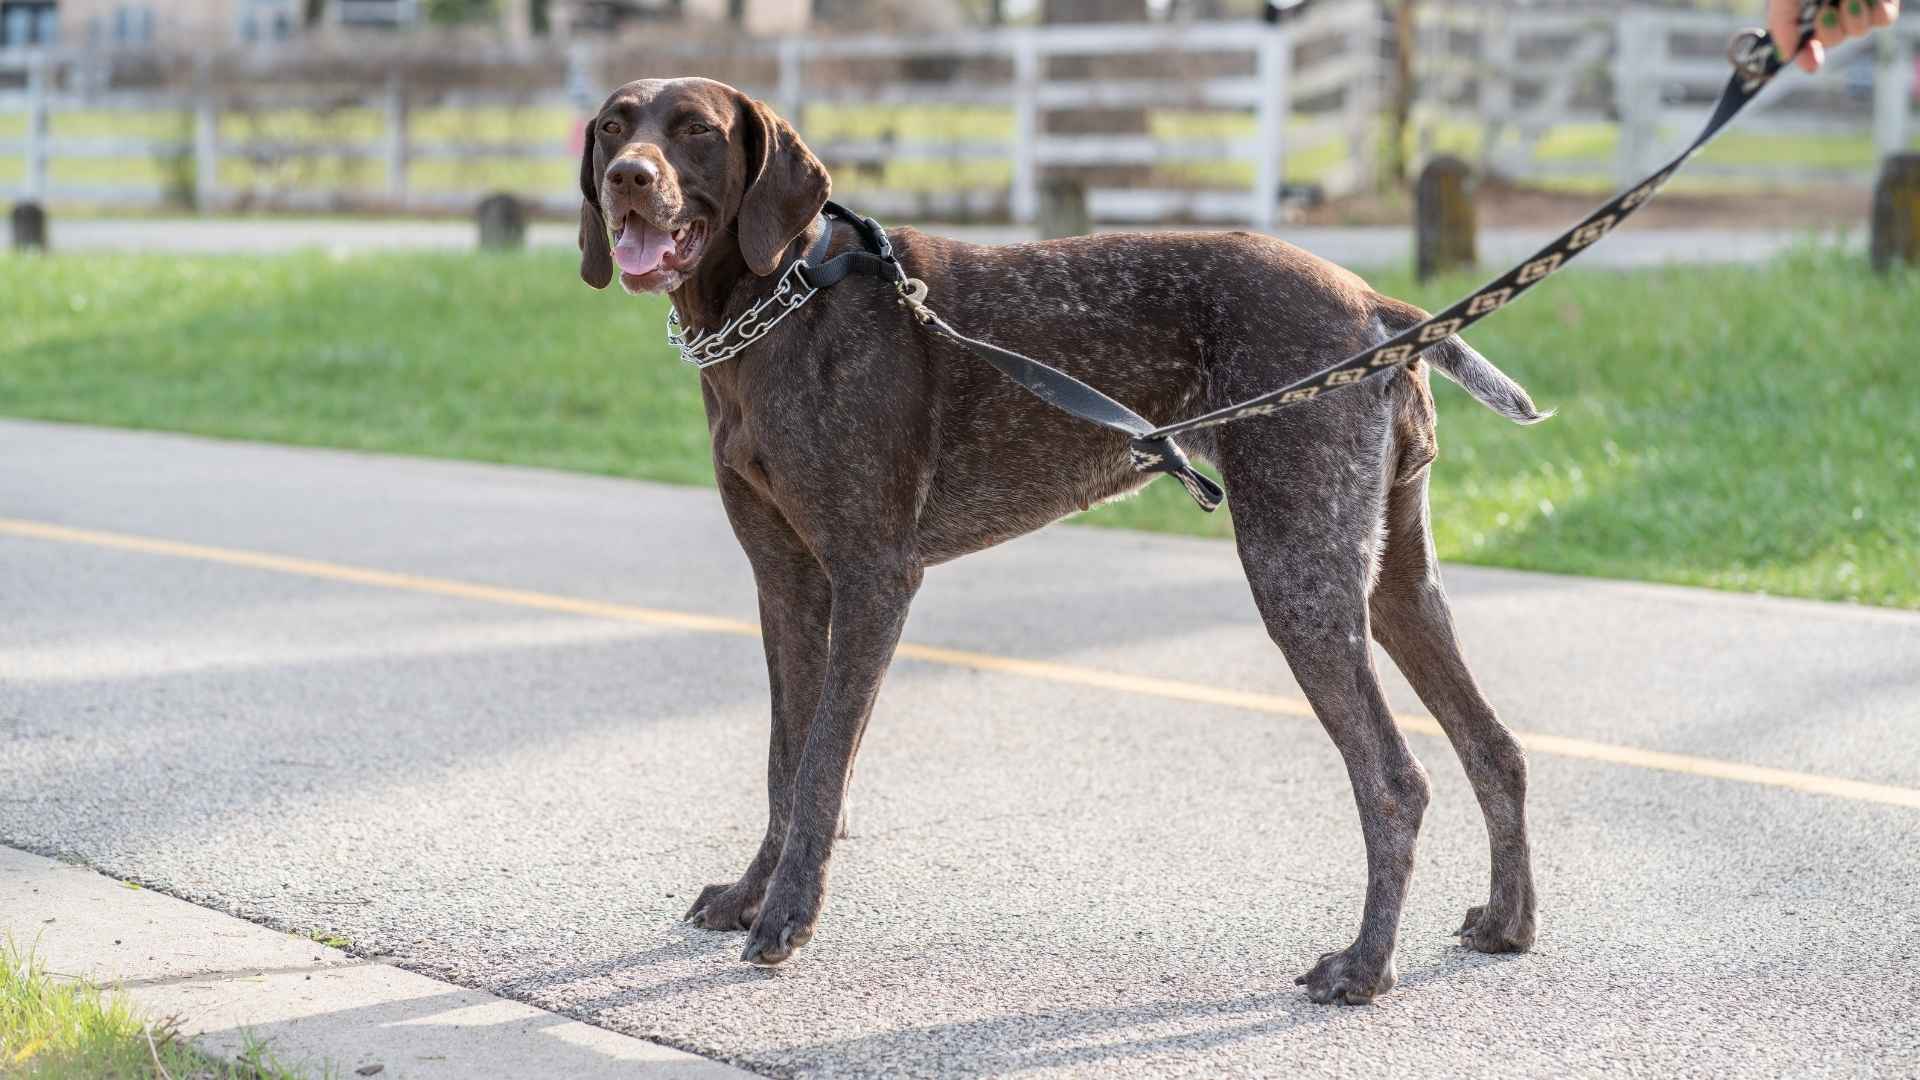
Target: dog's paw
1496,929
728,906
1345,978
783,926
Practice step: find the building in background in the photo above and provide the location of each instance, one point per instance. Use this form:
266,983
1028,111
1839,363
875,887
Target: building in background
138,24
222,23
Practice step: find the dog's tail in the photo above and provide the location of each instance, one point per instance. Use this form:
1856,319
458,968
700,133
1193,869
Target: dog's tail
1458,361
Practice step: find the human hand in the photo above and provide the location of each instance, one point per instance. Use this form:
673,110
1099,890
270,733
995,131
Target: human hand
1838,20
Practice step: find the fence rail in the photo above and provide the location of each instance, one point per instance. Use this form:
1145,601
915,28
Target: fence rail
1247,70
1518,77
1300,100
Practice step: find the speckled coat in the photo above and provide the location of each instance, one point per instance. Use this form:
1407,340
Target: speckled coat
854,449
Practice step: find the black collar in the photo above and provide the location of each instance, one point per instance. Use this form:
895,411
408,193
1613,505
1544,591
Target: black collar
873,258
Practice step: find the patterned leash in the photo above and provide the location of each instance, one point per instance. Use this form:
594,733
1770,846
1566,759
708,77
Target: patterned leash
1755,64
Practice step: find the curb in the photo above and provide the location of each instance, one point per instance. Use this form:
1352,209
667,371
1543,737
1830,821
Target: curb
316,1007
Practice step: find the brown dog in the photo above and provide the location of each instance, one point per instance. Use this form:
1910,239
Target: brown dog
853,449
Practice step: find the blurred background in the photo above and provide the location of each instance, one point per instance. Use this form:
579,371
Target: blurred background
1223,111
262,216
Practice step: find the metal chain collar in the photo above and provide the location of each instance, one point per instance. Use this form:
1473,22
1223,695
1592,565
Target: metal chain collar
704,350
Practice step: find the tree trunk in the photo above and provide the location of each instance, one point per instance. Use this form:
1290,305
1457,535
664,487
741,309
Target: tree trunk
1393,166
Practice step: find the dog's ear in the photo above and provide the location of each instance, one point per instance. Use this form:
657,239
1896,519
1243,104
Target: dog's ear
786,185
596,261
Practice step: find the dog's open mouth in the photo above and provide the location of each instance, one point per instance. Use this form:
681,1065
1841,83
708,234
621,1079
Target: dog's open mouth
651,257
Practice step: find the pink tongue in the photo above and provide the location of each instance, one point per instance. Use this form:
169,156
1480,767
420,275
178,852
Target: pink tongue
642,247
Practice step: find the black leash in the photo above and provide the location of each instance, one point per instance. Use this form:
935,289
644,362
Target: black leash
1755,64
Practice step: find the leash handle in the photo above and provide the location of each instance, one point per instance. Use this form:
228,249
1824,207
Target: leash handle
1754,52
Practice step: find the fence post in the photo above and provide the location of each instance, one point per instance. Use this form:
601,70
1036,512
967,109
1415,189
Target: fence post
206,141
1275,67
1640,55
39,127
1496,88
1025,196
396,142
792,63
1896,213
1443,217
28,222
503,222
1892,90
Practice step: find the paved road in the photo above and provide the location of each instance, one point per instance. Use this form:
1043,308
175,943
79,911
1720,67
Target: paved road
1359,246
1053,873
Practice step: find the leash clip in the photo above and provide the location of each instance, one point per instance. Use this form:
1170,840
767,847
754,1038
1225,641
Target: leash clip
913,297
1752,55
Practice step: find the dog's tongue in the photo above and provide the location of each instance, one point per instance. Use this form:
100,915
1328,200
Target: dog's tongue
642,247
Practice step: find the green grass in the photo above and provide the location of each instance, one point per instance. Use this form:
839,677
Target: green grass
1735,427
54,1028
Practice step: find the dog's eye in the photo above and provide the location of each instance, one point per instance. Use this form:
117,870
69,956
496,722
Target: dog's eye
698,129
611,127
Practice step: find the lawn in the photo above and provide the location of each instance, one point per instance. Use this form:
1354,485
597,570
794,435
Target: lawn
1746,428
54,1028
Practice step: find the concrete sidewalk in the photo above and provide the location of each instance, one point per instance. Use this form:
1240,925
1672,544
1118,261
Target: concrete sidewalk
316,1008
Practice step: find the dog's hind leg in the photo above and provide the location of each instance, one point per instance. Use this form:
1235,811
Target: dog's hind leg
1305,494
795,602
1412,621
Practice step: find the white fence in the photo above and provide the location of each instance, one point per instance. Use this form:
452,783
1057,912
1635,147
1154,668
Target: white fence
1308,86
1274,99
1648,77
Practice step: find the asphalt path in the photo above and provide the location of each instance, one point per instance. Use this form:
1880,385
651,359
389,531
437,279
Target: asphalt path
499,725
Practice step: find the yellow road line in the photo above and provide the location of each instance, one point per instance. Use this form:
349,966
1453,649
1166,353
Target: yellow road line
1172,689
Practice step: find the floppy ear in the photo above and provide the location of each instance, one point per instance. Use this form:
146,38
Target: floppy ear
596,261
785,186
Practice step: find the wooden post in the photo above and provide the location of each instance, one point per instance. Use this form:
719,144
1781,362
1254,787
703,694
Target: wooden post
29,222
1275,67
1443,217
1896,213
1063,208
39,126
503,223
396,142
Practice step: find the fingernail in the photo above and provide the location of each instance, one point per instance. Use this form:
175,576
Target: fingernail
1854,8
1830,19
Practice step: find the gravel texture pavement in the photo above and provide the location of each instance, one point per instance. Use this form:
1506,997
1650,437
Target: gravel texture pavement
1048,877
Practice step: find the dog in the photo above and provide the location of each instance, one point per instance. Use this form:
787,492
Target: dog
853,449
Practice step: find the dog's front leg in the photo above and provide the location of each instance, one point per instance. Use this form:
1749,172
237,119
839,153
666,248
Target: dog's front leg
870,602
796,601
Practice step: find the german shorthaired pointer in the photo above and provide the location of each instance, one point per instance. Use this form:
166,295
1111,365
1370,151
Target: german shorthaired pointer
854,449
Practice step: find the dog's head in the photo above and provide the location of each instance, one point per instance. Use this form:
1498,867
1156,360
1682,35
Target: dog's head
674,169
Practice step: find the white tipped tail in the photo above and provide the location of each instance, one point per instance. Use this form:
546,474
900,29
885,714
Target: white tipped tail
1458,361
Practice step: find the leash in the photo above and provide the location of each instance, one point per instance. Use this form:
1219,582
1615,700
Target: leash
1153,449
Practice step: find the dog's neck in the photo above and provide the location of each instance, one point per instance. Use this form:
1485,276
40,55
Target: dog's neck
722,286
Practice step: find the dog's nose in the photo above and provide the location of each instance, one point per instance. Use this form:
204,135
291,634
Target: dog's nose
635,172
